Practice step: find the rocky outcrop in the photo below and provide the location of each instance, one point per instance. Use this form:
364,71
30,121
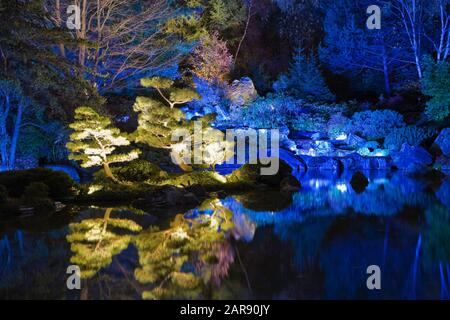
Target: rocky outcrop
242,92
411,158
443,141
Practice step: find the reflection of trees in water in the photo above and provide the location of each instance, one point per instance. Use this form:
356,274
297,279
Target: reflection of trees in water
24,262
95,241
178,262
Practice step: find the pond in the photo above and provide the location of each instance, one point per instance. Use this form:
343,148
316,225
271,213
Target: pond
315,244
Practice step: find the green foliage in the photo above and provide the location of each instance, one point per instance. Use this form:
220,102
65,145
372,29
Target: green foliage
156,122
269,112
139,171
59,183
411,135
337,125
157,82
375,124
304,80
309,122
436,83
94,140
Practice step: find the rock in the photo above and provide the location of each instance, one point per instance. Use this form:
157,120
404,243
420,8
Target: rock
442,163
289,184
359,182
411,158
322,163
355,141
242,92
169,196
295,162
443,141
318,136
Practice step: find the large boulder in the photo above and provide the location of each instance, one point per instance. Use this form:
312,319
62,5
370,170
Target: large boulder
443,141
295,162
242,92
411,158
355,141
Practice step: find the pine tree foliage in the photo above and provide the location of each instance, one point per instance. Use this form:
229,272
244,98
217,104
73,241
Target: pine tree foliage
304,80
436,84
94,141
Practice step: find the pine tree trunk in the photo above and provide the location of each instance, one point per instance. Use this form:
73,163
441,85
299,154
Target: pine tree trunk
109,173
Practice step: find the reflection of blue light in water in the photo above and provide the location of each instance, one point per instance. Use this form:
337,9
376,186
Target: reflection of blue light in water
444,289
416,261
342,187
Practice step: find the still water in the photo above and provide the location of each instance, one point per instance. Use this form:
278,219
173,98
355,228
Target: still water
315,244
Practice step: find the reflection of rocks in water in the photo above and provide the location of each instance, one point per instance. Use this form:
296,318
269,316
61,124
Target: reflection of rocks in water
244,229
265,200
359,182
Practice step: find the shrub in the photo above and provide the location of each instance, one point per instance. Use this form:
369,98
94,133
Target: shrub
337,125
309,122
436,83
3,194
412,135
36,195
375,124
270,112
59,183
138,171
36,190
304,80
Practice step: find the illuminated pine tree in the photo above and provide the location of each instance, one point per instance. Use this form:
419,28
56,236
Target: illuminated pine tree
94,141
157,120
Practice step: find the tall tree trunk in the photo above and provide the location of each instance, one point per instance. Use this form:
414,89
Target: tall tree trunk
4,137
59,24
387,83
109,173
15,136
245,32
82,34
